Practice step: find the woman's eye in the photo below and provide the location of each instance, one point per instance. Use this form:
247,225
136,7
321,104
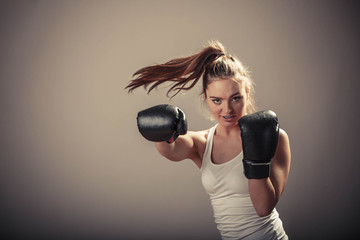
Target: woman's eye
235,99
216,101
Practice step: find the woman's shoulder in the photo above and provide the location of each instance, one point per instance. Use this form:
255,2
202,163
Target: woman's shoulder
200,135
199,140
283,152
283,137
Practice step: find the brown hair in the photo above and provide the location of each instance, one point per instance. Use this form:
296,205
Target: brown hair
210,63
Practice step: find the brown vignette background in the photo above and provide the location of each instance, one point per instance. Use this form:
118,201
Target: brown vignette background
73,164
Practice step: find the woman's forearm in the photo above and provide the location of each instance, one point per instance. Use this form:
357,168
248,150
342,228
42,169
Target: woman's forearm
263,195
178,150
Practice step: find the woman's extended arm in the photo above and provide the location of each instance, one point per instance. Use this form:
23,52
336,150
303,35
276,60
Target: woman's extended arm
179,150
188,146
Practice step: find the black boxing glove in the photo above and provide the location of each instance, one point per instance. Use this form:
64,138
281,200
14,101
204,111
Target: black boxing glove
259,134
162,123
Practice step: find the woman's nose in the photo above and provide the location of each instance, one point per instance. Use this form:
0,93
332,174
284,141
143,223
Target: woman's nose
228,107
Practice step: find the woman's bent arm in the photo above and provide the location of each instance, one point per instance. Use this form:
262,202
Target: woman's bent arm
265,193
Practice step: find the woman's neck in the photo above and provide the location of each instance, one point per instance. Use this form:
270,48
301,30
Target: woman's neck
228,131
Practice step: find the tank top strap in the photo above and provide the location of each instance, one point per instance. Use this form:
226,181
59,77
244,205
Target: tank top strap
208,149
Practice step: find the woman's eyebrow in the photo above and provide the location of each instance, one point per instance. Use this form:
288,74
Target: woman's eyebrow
237,93
234,94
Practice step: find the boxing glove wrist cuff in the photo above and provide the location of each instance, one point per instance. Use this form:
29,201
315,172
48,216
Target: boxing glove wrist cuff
253,170
173,138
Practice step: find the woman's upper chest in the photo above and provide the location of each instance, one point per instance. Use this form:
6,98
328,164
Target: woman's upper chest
225,149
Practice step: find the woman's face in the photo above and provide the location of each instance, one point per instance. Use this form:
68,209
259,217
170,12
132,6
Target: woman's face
227,101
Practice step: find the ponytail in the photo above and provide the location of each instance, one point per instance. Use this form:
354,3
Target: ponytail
211,63
183,72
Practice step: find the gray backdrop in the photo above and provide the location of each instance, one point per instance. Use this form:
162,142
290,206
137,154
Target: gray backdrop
72,161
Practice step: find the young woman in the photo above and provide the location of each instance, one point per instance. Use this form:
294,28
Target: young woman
244,159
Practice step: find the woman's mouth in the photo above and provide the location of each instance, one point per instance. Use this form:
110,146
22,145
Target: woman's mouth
228,118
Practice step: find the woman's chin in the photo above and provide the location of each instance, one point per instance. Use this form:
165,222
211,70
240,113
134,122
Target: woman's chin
228,123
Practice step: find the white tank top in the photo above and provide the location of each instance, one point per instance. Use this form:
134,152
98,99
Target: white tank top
234,212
